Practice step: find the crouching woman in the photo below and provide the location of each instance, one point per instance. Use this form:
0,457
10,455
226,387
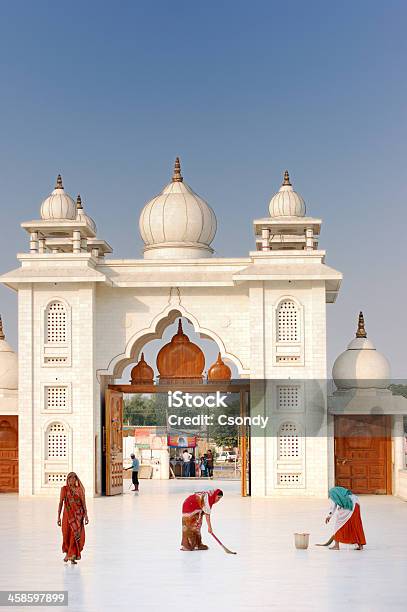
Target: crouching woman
345,510
193,510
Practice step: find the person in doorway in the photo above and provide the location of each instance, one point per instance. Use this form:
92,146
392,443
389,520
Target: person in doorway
203,467
135,466
74,518
186,458
193,509
348,526
209,463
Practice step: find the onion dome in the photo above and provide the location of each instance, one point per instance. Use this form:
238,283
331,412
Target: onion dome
142,373
58,205
82,216
361,366
177,223
219,370
180,359
287,202
8,364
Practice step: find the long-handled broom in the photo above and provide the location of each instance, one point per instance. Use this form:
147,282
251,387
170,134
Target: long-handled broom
227,550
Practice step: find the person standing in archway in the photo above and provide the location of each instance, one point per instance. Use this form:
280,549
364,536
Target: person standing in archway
135,467
74,518
186,458
209,463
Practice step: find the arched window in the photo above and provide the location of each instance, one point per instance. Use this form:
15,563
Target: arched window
288,322
56,442
289,443
56,324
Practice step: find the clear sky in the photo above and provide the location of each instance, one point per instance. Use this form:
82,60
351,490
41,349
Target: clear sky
108,93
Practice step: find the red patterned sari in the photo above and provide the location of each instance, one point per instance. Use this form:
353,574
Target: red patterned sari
73,528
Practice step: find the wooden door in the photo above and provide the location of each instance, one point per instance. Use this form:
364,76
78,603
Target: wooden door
8,454
114,442
363,453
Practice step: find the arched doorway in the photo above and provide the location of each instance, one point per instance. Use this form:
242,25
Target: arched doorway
179,366
8,454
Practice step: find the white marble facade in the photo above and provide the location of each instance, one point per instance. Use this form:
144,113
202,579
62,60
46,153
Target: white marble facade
84,317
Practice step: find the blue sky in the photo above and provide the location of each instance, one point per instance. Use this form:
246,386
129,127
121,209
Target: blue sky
109,93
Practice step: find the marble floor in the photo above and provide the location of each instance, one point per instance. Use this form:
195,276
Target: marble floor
132,558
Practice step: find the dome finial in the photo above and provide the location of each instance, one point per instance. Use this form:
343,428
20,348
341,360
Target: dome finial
2,336
286,178
177,177
361,332
59,184
79,202
180,330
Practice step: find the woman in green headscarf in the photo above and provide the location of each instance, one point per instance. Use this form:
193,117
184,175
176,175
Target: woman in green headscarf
348,523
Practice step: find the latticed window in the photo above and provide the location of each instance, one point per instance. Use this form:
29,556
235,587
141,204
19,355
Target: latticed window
56,323
289,479
289,442
288,324
56,398
56,442
288,397
56,479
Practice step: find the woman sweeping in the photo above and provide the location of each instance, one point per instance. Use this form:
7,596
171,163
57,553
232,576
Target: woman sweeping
74,518
193,509
348,523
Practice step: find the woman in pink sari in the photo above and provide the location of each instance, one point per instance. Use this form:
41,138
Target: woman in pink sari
193,509
74,518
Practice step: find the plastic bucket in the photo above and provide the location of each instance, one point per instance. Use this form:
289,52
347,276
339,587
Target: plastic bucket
301,540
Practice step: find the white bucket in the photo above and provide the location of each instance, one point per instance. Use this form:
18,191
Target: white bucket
301,540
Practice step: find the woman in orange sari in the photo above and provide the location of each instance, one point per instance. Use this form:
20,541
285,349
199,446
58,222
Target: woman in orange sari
193,509
74,518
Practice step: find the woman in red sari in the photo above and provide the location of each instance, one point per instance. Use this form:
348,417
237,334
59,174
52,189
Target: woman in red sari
193,509
348,527
74,518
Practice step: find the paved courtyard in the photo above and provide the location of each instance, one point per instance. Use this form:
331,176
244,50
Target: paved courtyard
132,558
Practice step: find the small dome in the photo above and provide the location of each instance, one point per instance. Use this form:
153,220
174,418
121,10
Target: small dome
8,364
219,370
287,202
82,216
58,205
361,366
142,373
177,222
180,359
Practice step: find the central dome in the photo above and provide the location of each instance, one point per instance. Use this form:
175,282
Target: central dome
177,223
287,202
180,360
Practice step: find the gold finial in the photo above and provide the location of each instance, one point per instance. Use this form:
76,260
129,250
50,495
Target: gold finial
180,330
286,178
141,358
79,203
361,332
59,184
176,177
2,336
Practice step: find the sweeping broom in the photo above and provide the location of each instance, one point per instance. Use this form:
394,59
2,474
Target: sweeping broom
331,539
227,550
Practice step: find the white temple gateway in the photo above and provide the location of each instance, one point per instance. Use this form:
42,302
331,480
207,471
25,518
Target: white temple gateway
84,318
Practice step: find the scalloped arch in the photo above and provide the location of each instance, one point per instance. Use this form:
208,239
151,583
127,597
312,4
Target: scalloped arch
155,331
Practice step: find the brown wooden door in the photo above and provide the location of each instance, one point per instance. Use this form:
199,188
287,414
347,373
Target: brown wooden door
114,442
8,454
363,453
